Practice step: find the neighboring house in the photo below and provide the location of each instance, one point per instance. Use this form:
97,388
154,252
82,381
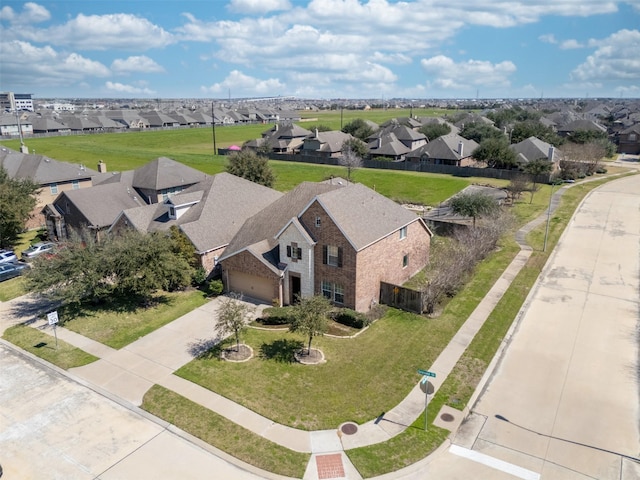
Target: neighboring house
325,144
532,149
388,146
158,119
209,213
580,125
628,140
92,208
451,149
334,239
53,177
9,125
286,138
403,133
48,125
111,193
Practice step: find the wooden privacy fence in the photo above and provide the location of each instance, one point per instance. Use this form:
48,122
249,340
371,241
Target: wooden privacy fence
401,297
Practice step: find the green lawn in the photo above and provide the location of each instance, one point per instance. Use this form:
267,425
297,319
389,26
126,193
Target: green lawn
43,345
224,434
127,323
14,288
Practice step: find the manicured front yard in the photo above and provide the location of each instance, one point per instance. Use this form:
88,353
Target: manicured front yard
363,376
43,345
127,323
224,434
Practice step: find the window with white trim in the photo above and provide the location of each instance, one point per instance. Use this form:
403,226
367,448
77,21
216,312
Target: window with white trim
54,188
333,291
405,260
318,221
75,184
332,255
403,232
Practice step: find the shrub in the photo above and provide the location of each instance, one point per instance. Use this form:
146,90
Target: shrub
276,316
377,312
351,318
214,288
199,276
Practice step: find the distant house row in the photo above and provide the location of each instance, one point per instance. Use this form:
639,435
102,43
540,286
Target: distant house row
333,238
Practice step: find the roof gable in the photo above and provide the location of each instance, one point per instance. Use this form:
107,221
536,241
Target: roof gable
163,173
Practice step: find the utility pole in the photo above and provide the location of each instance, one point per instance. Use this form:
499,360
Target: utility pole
213,125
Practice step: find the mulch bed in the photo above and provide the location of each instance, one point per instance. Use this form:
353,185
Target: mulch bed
309,358
244,353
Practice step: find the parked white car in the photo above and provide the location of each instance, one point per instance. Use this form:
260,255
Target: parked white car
37,249
7,256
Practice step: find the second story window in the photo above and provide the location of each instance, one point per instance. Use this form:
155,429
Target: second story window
403,233
318,222
332,255
294,252
75,184
54,188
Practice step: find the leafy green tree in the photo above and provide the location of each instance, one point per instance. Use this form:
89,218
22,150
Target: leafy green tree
17,200
435,130
129,265
474,205
359,129
541,166
495,152
232,317
480,131
251,166
311,317
523,130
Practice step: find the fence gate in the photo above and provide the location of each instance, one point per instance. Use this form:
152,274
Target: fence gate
401,297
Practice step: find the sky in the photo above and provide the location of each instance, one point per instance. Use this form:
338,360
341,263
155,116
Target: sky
321,49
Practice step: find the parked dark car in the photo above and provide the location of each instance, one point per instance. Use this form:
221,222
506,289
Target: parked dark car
11,270
37,249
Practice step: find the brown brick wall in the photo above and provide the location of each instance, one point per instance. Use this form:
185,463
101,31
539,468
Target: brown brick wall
329,234
207,259
382,261
247,263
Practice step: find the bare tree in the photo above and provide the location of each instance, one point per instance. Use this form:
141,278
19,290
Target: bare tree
516,187
586,157
350,159
233,317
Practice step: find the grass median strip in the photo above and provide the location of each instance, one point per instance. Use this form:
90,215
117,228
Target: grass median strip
43,345
224,434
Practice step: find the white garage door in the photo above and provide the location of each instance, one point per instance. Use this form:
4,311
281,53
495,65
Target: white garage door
251,286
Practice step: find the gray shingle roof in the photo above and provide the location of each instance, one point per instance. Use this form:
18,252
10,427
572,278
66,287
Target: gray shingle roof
164,172
100,205
446,148
40,169
270,220
225,202
531,149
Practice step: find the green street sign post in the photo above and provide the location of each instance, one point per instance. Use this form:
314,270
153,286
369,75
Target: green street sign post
426,374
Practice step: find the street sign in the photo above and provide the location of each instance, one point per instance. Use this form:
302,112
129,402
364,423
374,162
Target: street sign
52,317
427,373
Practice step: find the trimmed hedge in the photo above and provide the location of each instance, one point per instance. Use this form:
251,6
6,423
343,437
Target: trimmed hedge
275,316
351,318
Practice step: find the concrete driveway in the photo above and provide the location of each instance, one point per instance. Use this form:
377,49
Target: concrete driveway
568,381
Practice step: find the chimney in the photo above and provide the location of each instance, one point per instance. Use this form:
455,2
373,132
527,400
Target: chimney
102,167
316,132
551,152
460,148
379,142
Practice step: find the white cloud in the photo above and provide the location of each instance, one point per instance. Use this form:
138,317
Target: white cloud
258,6
25,63
548,38
242,84
616,58
136,64
444,72
122,88
31,13
101,32
570,44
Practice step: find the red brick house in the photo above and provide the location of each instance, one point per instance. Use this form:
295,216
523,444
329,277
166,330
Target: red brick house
336,239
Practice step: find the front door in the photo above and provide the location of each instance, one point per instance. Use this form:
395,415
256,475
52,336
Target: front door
294,289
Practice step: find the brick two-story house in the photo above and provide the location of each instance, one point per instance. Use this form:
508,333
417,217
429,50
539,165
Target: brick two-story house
336,239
